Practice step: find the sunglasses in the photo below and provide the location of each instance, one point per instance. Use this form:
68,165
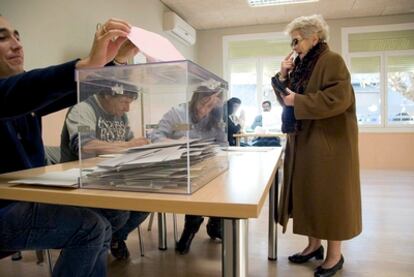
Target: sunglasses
295,42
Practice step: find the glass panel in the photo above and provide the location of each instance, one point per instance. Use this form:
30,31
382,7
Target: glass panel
365,74
381,41
243,85
176,106
400,89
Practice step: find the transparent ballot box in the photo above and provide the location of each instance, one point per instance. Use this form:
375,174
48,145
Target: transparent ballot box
156,127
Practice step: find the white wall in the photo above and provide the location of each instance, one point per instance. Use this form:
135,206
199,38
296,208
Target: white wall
55,31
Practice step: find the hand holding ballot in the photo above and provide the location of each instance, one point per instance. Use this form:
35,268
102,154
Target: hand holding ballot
154,46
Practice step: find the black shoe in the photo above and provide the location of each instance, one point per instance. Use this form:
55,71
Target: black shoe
214,228
300,259
183,245
191,227
119,250
326,272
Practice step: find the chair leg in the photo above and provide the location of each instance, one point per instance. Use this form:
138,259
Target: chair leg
49,262
150,221
175,228
141,244
40,255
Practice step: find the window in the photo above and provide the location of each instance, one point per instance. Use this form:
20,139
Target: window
249,63
366,83
381,62
400,89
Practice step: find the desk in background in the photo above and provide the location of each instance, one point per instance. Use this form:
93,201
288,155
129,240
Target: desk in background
239,136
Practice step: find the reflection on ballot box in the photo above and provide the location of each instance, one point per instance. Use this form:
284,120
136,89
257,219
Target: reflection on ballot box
177,106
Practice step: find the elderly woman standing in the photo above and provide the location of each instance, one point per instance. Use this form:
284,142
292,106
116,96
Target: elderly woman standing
321,190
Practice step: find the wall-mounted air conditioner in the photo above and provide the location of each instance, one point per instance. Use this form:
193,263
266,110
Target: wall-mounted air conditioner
180,29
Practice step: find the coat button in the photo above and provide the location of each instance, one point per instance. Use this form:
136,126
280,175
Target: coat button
33,114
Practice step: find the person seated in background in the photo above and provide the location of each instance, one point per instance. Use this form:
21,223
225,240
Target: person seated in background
258,120
205,116
83,234
104,114
264,121
234,123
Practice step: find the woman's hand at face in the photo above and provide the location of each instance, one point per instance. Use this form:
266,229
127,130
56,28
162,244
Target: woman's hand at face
287,65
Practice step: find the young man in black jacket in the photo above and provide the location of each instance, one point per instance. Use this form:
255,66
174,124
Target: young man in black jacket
82,234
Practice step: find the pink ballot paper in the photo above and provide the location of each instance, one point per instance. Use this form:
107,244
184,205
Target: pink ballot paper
154,46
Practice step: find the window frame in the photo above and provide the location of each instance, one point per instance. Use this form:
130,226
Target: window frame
345,32
259,60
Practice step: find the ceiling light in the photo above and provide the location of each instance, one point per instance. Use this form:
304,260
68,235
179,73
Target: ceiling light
261,3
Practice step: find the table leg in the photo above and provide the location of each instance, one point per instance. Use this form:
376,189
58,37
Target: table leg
162,231
273,197
235,248
237,141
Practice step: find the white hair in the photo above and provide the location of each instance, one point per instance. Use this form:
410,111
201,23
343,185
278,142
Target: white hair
308,25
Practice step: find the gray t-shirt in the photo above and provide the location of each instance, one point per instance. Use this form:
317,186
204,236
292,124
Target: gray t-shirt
101,125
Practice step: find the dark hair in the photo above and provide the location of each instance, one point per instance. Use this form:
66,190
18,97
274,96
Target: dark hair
267,102
215,115
231,103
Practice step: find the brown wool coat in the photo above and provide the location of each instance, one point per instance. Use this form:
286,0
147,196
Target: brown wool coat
321,186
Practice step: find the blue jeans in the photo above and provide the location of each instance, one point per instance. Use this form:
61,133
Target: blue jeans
116,218
134,220
82,234
266,142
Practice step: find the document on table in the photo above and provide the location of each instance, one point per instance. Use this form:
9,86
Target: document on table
114,162
166,143
67,178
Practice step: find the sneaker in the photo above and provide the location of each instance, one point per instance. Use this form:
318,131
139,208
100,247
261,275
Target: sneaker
119,250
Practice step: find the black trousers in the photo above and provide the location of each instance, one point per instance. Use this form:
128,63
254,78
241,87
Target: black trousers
193,222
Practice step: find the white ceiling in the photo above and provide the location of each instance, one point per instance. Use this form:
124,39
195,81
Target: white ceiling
210,14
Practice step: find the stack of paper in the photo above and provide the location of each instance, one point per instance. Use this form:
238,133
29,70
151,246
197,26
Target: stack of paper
158,166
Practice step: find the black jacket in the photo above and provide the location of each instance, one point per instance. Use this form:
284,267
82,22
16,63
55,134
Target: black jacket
24,99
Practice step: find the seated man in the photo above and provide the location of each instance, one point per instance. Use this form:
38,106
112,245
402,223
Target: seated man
104,113
258,121
265,120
